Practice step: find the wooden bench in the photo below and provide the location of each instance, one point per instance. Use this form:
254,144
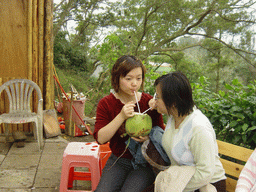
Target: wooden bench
233,158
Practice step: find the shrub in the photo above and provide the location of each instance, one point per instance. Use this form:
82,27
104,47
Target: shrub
231,111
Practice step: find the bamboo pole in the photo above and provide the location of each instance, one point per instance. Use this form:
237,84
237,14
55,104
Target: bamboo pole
41,44
35,51
49,87
35,42
1,105
29,24
30,47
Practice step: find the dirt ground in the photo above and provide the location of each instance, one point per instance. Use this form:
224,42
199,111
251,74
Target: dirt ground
87,138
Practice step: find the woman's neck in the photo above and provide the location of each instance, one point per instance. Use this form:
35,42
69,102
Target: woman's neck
125,98
178,120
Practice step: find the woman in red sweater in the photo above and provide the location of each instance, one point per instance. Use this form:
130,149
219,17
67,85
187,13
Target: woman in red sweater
120,173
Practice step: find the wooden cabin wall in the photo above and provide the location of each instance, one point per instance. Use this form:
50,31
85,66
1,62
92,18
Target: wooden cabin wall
26,50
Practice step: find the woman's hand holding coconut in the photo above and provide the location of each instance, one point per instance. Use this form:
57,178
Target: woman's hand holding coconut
128,112
141,139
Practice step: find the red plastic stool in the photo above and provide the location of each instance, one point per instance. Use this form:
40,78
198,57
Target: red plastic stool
104,153
80,154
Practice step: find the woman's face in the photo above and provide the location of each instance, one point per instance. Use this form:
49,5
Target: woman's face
131,82
160,106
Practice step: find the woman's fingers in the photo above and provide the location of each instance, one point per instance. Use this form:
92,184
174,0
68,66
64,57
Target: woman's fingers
152,103
128,109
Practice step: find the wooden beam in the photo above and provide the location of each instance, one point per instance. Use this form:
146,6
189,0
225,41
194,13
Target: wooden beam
30,35
48,69
41,44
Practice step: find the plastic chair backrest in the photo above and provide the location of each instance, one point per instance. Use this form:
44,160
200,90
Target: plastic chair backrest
19,94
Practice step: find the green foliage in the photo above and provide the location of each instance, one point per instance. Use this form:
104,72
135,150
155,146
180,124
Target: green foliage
231,111
108,52
81,83
67,56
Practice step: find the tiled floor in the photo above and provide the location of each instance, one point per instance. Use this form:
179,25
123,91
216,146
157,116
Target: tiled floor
27,169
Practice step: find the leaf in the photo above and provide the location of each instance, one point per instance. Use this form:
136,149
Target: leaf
236,139
251,128
254,137
244,138
235,108
245,126
240,115
235,82
229,87
222,93
233,123
202,79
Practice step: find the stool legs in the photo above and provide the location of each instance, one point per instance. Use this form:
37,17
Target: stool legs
71,177
68,170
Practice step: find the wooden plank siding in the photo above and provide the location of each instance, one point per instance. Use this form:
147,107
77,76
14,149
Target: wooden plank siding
26,50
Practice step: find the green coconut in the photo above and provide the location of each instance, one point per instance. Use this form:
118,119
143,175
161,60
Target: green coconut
138,125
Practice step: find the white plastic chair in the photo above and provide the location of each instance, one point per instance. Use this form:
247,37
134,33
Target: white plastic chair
19,93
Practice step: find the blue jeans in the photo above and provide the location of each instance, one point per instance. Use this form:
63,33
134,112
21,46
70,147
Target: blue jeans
122,177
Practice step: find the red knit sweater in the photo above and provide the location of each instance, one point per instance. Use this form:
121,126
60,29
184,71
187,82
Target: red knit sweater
108,108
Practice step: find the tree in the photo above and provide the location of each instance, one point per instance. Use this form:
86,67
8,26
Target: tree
151,26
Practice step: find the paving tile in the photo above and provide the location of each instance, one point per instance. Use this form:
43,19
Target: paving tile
51,161
23,178
1,159
56,140
30,138
82,185
20,161
48,178
54,148
2,139
4,148
29,148
15,190
40,189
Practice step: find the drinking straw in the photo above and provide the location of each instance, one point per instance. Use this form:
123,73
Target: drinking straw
137,101
146,110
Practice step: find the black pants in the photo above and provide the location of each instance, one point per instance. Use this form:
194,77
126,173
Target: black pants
122,177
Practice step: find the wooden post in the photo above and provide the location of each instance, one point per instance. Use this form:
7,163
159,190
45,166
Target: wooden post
48,69
35,50
1,105
30,26
35,42
41,45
